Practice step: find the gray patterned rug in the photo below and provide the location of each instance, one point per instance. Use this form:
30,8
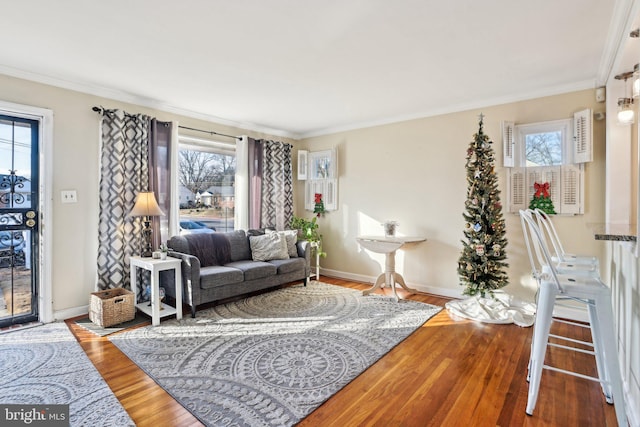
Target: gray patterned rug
45,365
271,359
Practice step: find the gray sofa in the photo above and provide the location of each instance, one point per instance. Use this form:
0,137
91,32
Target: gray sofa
212,272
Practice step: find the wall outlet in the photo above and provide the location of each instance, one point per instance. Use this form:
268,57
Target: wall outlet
69,196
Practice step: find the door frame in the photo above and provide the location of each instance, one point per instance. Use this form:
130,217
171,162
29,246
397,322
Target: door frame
45,168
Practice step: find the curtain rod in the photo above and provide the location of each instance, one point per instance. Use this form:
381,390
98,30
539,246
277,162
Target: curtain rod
210,132
103,110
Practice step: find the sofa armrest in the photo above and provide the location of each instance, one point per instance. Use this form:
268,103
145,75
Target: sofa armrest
190,276
304,251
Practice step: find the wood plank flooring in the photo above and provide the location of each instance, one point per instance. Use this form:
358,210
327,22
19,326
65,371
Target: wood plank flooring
448,373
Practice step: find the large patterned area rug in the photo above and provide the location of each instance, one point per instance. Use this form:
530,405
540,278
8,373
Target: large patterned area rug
271,359
45,365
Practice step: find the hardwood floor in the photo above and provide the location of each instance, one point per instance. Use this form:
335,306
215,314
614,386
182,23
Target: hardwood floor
448,373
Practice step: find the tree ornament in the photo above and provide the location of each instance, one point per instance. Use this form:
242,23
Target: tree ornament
477,227
480,250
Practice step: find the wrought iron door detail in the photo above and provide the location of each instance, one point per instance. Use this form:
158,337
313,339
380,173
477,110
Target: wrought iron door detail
11,182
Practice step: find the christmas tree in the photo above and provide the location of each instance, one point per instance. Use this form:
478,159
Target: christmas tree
541,199
482,265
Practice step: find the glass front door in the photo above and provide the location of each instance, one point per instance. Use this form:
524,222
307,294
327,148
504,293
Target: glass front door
19,220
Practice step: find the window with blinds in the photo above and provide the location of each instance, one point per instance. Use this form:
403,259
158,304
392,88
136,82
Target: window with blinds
549,152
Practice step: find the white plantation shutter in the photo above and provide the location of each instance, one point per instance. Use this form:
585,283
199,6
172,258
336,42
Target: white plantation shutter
329,190
533,174
313,186
572,196
508,144
330,195
552,176
583,136
517,190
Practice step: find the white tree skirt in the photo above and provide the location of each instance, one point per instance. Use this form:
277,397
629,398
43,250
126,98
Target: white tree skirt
503,308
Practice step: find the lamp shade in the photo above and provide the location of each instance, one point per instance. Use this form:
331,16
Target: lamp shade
146,205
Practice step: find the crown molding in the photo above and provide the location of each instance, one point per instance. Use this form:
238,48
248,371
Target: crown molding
122,96
130,98
489,102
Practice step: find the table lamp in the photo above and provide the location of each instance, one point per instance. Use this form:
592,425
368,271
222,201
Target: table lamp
146,207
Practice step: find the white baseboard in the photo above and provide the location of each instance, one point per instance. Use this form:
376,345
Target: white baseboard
68,313
577,314
442,292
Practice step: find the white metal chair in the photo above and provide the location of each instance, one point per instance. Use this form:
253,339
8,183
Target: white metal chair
567,263
548,229
587,289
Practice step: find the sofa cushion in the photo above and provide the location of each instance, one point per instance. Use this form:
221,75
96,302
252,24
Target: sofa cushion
240,249
292,265
268,246
219,275
254,269
291,237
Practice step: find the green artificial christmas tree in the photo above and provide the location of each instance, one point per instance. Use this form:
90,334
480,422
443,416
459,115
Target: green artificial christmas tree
541,199
482,265
318,208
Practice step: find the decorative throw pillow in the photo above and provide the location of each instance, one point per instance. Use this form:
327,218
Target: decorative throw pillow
268,246
291,236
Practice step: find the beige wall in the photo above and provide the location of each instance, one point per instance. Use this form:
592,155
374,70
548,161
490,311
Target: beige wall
75,166
414,172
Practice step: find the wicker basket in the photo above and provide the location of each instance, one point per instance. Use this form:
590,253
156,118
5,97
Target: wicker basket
110,307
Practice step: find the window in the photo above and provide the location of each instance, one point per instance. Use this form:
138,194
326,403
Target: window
549,152
321,178
206,185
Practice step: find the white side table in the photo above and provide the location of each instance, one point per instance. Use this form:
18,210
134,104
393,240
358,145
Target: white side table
155,266
388,246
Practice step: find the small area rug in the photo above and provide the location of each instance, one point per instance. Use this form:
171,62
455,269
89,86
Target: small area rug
86,323
271,359
46,365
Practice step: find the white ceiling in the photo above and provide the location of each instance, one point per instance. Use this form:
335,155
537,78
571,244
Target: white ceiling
300,68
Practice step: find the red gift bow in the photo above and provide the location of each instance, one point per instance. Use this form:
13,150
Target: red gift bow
318,197
541,189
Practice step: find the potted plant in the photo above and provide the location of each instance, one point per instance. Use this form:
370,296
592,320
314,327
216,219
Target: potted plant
163,251
308,230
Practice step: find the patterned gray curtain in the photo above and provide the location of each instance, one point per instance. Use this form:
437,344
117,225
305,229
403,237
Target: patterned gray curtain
277,185
124,171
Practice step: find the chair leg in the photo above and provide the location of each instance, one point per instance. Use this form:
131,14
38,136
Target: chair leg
193,311
596,338
608,344
544,316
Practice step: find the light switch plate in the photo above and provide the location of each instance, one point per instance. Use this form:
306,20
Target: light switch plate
69,196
